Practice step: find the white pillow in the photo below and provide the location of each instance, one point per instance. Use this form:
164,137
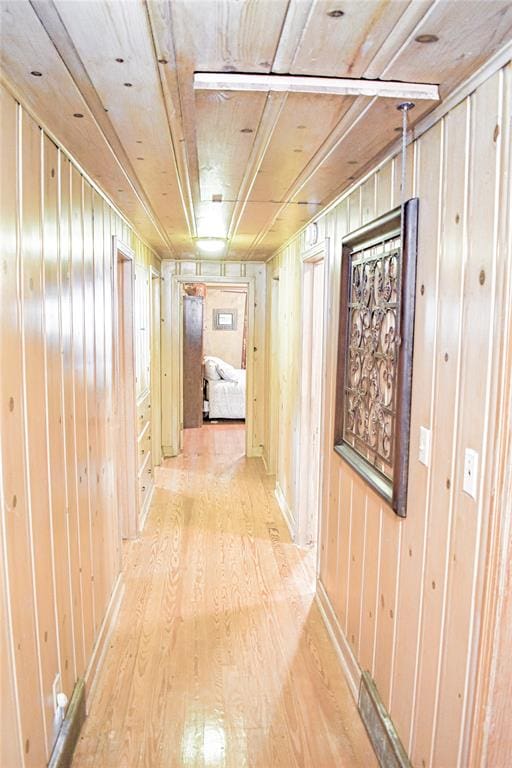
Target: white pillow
210,368
227,372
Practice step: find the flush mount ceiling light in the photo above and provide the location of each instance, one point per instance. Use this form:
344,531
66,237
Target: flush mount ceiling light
336,14
211,244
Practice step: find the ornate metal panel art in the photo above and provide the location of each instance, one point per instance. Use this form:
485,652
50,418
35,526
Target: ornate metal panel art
370,375
375,351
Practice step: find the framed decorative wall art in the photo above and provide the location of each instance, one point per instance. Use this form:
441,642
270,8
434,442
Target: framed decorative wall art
375,351
224,319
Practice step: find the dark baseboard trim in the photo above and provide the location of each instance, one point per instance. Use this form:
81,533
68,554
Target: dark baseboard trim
381,730
62,753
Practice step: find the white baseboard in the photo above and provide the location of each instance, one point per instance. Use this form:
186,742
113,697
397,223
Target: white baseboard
264,459
285,509
100,647
348,660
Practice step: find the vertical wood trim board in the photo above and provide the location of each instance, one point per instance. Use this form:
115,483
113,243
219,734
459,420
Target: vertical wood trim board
59,530
405,597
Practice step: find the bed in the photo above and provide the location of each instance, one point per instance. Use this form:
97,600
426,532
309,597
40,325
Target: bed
225,389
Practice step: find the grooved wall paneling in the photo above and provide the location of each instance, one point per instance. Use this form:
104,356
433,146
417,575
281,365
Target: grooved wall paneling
407,594
60,548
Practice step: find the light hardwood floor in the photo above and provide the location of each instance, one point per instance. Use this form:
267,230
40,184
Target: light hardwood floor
219,656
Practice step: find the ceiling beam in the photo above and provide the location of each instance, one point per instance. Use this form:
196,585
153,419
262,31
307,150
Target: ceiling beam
330,86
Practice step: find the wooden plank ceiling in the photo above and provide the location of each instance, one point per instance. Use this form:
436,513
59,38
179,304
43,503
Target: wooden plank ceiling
116,88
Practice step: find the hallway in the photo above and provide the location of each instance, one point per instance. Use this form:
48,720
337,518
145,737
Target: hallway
219,656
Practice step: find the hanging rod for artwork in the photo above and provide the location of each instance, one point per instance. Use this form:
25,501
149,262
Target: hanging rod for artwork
331,86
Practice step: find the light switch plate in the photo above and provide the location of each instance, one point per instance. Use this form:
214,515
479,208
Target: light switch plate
470,472
424,449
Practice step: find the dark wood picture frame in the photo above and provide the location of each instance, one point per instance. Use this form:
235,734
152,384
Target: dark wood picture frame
402,221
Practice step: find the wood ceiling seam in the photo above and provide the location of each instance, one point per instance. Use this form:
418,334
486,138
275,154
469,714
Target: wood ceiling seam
51,21
181,168
408,39
296,19
184,81
267,125
401,35
345,126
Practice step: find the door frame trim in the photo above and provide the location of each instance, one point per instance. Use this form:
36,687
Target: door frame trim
128,504
317,253
172,412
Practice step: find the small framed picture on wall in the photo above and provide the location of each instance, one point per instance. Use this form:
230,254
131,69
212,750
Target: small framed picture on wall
224,319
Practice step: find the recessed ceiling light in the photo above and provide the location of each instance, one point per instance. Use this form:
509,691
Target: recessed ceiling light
297,150
246,130
138,141
140,158
426,39
77,114
35,73
336,14
128,85
119,61
162,61
352,162
211,244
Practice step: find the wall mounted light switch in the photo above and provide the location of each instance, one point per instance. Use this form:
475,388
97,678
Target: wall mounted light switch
424,449
470,472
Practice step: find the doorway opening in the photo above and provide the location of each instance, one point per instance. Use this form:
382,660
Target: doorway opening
125,429
215,325
312,379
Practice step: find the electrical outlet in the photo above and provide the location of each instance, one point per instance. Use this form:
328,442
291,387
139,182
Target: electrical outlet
470,472
424,449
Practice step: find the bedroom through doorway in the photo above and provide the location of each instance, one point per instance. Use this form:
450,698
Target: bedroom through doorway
214,355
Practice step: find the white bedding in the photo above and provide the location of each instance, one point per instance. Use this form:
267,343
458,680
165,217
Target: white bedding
227,398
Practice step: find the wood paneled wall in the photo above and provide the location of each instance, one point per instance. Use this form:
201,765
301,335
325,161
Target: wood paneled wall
60,547
407,594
